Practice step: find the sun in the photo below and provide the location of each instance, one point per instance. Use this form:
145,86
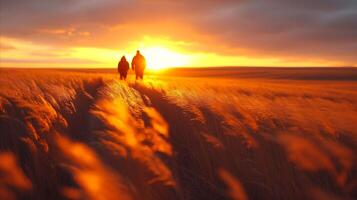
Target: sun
159,58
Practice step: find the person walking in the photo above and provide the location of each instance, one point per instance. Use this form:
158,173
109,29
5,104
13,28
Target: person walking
123,67
138,64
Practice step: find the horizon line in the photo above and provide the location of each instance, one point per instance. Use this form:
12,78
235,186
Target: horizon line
181,67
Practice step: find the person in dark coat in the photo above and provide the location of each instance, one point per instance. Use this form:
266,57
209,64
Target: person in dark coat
123,67
138,64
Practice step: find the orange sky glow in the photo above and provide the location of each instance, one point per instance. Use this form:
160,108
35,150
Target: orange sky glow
93,34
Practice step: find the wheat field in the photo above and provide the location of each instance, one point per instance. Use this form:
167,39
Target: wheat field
80,134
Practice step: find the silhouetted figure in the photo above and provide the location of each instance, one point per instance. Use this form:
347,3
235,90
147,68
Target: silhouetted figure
123,67
138,65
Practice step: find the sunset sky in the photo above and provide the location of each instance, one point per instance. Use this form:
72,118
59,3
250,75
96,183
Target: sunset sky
96,33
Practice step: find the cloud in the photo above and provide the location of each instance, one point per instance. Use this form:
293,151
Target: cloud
6,47
321,29
289,28
59,60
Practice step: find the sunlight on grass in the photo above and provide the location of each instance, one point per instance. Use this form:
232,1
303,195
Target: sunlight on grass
169,137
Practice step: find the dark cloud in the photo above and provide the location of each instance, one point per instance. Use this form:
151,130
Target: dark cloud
291,28
325,29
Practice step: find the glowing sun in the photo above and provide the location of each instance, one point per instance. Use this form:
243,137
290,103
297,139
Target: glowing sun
160,58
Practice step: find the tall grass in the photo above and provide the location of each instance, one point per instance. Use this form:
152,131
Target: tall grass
74,135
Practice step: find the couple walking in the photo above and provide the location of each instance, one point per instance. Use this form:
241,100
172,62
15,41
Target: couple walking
138,64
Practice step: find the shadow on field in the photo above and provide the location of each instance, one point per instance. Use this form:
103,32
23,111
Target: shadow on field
255,157
30,129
